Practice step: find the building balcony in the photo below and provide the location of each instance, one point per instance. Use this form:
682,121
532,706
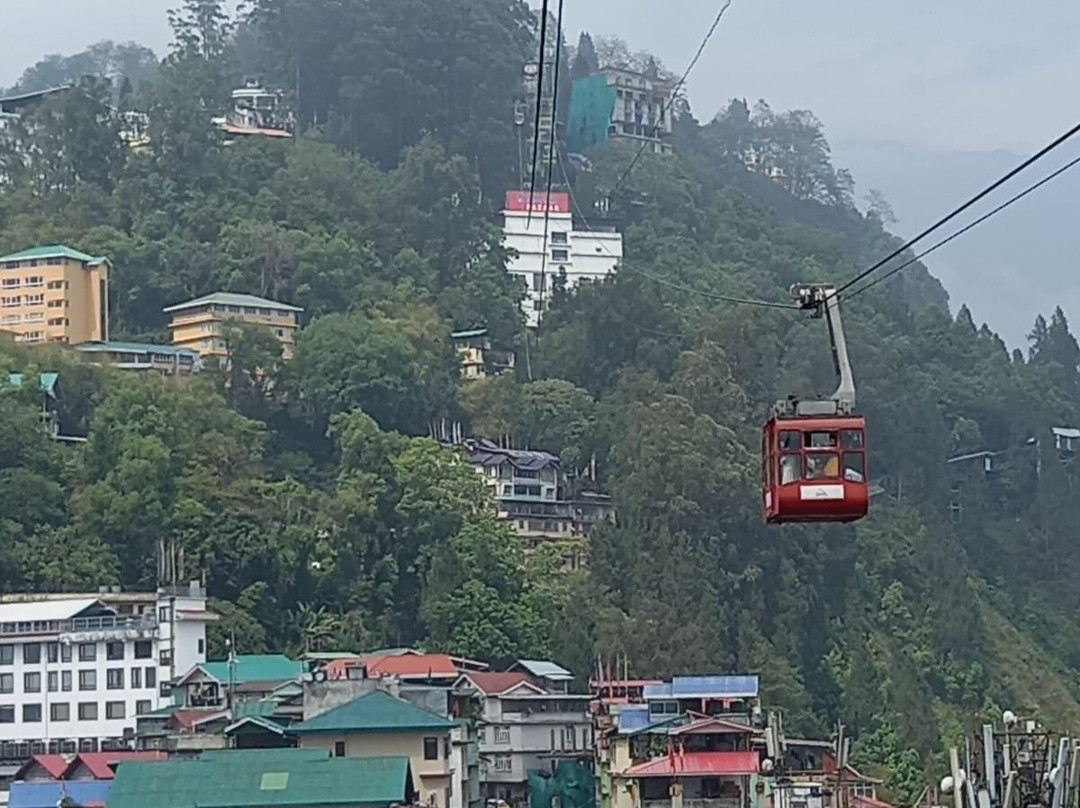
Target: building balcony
91,629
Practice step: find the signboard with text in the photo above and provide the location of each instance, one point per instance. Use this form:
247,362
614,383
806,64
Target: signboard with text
539,202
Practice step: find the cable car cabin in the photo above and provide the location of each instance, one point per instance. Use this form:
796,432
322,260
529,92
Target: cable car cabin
813,469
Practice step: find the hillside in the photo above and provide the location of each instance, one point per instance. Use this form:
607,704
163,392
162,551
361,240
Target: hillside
321,515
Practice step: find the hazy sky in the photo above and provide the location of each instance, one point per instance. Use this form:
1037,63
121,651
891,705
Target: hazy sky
930,76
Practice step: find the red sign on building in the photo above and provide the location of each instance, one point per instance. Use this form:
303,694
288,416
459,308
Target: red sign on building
539,202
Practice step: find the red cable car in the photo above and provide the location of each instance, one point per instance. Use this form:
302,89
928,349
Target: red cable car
813,453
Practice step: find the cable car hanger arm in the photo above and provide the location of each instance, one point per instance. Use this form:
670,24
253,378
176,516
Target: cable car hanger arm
823,301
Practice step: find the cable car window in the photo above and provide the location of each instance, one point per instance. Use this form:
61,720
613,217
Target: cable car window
789,440
822,466
789,468
852,438
820,440
854,467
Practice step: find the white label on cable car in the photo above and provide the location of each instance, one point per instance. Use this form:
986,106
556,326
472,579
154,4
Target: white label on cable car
768,499
821,492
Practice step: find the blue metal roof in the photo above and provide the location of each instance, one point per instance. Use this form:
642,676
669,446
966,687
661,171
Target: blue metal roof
48,793
633,717
705,687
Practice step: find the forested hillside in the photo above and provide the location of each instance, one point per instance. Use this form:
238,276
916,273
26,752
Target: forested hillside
323,517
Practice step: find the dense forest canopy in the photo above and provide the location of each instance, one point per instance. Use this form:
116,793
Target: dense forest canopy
322,515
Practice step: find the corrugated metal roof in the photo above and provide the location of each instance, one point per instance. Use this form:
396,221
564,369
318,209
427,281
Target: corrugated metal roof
232,299
255,668
48,793
544,669
263,777
374,712
492,683
53,251
29,611
705,687
485,453
133,347
693,764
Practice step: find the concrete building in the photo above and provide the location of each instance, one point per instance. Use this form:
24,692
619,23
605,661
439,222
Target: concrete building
380,724
168,360
523,727
199,324
620,103
54,294
76,670
572,254
533,494
479,357
255,110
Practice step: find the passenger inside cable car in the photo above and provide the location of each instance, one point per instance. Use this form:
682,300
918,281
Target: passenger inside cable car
822,455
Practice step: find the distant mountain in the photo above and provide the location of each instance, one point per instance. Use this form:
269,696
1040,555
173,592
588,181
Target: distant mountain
1008,270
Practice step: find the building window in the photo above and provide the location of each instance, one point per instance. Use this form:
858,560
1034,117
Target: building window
65,653
502,734
31,653
65,681
55,285
32,682
431,748
60,711
11,302
339,748
88,711
538,282
87,680
558,237
52,652
481,734
87,651
31,713
54,681
163,614
7,682
560,255
151,677
115,709
114,649
35,300
7,713
136,678
7,654
35,281
142,706
165,657
502,763
114,679
144,649
569,738
202,645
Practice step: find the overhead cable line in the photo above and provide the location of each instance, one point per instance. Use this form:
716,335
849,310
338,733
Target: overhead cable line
665,110
551,156
539,99
975,199
1012,200
663,281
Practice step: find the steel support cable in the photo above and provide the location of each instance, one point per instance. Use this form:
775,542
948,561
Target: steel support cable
1010,201
974,200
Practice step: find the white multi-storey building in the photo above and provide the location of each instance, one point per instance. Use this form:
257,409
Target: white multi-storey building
75,670
577,255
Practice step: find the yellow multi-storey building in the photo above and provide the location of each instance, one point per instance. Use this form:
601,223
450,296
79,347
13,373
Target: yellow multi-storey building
54,294
200,324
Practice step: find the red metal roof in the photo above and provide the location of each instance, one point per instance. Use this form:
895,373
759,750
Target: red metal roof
696,764
717,725
100,764
491,683
55,765
404,665
862,801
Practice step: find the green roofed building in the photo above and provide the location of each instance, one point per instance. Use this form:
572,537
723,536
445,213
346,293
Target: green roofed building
253,676
380,724
297,778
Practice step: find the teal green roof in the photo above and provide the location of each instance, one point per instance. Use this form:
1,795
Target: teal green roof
232,299
257,723
261,707
46,381
297,778
54,251
133,347
255,668
375,712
